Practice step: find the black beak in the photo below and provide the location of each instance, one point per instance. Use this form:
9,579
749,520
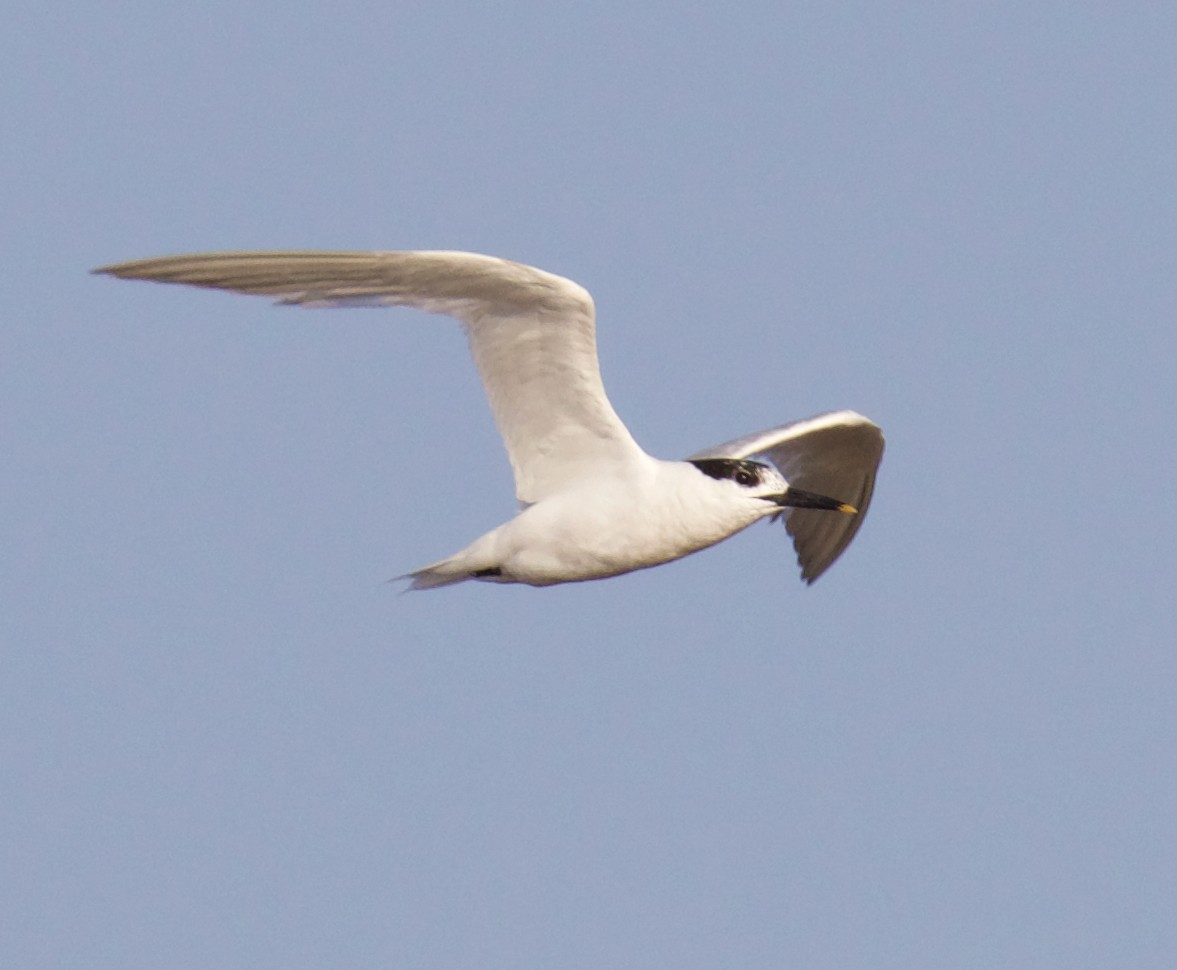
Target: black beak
796,498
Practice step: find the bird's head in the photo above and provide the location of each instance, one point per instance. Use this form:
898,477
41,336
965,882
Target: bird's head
764,488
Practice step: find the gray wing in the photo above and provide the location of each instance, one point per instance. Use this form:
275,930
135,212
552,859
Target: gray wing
532,335
835,454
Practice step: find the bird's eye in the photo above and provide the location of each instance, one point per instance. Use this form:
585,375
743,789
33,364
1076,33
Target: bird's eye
745,478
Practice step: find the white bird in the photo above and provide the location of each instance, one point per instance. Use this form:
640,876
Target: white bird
593,503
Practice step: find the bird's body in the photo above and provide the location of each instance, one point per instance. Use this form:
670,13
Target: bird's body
655,512
594,504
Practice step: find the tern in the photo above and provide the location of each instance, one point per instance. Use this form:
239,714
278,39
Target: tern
592,503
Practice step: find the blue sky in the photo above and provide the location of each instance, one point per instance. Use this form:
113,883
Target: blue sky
226,742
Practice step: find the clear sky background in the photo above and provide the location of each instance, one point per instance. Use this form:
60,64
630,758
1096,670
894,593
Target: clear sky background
226,742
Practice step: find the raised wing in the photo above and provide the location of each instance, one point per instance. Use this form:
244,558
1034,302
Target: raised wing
531,334
835,454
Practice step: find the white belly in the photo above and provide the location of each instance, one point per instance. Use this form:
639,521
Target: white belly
590,536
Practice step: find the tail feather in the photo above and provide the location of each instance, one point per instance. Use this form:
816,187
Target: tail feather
477,561
451,571
443,573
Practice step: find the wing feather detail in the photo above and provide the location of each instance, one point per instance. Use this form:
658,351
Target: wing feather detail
532,335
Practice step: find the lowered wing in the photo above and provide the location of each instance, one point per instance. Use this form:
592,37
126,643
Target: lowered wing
835,454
